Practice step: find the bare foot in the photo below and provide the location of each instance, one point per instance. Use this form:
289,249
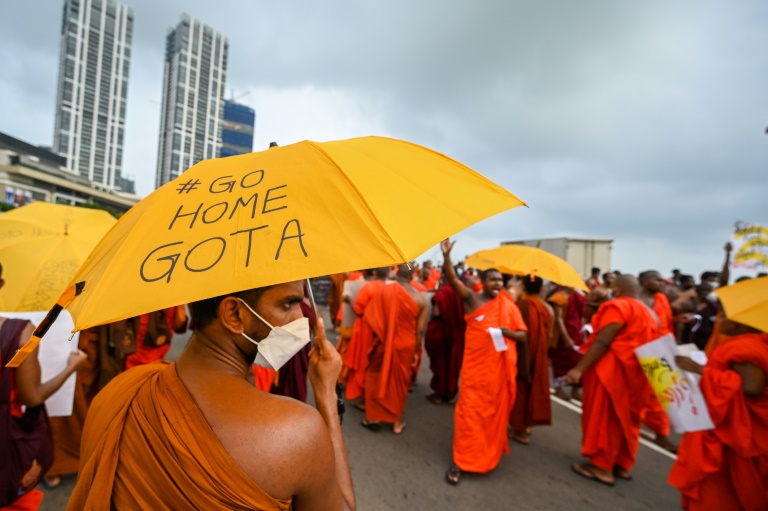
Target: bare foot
398,427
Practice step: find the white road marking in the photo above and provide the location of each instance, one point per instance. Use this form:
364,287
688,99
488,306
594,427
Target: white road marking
577,408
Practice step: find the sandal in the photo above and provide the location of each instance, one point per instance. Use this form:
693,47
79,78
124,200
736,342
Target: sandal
434,398
587,471
453,475
51,482
372,426
622,474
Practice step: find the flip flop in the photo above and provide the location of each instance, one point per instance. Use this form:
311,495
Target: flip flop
622,474
453,475
434,398
402,428
520,440
372,426
51,482
586,472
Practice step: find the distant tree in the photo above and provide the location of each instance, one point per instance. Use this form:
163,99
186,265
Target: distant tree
93,205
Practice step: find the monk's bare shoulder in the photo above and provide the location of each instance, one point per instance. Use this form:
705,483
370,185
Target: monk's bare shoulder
271,438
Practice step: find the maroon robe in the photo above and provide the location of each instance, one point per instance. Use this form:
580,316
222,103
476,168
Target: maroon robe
564,357
444,342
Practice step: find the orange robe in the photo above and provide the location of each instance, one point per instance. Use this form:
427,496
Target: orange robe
434,277
615,388
654,416
356,358
176,317
488,387
264,377
146,445
30,501
532,404
727,468
392,316
418,286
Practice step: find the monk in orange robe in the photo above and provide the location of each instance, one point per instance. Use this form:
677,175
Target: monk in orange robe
106,348
488,372
727,467
335,296
397,316
532,404
194,434
415,368
430,275
614,385
651,294
153,340
348,317
356,357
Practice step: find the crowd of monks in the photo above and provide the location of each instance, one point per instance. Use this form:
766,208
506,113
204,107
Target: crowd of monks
496,345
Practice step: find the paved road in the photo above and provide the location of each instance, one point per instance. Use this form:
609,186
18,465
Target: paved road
407,472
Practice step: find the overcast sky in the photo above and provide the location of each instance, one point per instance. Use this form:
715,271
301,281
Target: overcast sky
640,121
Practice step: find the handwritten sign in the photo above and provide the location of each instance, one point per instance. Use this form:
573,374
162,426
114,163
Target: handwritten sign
750,246
677,391
228,203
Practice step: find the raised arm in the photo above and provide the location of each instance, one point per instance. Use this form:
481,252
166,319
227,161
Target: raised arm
463,291
32,391
725,272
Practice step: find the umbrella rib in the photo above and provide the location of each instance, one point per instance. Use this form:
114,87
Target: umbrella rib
359,194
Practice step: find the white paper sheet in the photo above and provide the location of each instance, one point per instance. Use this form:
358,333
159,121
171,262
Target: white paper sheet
498,339
53,353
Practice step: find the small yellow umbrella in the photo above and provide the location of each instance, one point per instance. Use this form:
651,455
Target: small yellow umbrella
41,247
280,215
524,260
746,302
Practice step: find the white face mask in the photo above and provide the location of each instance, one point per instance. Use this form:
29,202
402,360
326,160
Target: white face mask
282,343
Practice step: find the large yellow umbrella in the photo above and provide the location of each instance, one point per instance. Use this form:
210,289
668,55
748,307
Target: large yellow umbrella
280,215
41,247
524,260
746,302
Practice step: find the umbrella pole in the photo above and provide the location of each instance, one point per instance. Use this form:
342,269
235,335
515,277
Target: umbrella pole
339,401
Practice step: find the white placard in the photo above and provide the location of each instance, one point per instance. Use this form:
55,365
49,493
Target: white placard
53,353
351,288
678,391
498,339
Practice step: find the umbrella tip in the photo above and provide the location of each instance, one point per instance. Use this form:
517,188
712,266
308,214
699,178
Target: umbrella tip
272,144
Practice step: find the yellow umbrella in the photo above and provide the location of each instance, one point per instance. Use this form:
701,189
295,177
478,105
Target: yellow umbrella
746,302
524,260
280,215
41,247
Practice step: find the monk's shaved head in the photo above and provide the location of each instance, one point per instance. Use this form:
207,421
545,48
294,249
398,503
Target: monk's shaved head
381,273
405,271
626,285
651,281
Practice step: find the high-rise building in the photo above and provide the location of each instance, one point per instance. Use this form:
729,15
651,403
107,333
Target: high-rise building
93,86
193,97
237,129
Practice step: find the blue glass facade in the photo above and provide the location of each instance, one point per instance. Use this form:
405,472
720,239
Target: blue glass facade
237,129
